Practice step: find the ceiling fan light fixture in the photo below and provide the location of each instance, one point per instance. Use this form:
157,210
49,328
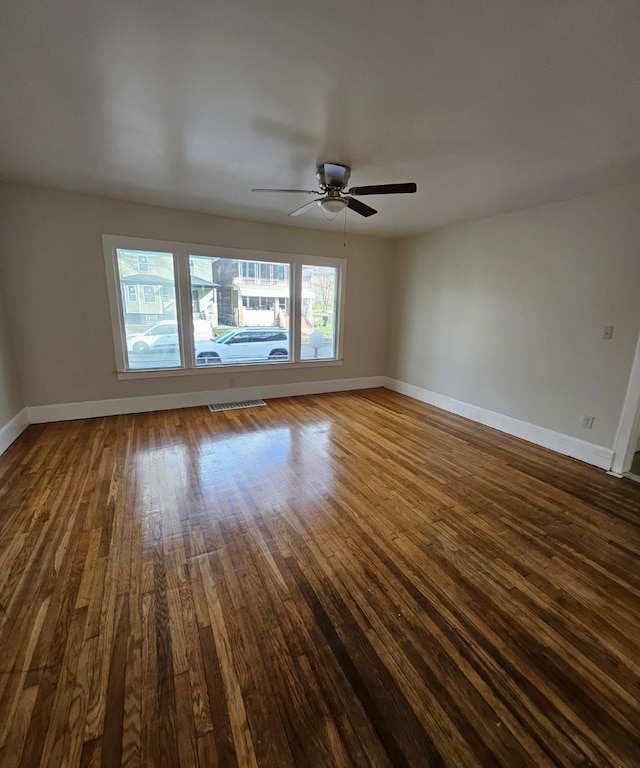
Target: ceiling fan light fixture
333,205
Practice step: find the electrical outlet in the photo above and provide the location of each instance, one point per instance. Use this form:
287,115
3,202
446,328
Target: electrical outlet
587,422
607,333
232,381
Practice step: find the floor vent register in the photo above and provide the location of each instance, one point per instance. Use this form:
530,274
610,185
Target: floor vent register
236,406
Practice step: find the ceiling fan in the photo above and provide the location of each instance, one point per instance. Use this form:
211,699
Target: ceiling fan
334,198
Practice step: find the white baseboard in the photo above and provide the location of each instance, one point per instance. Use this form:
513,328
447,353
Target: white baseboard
93,408
12,429
547,438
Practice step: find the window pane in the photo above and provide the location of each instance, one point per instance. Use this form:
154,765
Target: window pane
234,304
319,299
147,285
149,294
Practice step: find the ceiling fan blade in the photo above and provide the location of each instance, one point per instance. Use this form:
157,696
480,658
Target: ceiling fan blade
385,189
302,191
334,175
361,208
303,209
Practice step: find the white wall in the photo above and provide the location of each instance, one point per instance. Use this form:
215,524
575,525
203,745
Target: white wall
507,313
11,402
57,296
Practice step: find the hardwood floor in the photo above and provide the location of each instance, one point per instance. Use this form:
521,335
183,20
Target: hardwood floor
353,579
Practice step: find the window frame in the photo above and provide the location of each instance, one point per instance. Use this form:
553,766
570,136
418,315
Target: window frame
181,253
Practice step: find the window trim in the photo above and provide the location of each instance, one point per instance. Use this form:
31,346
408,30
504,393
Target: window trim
181,252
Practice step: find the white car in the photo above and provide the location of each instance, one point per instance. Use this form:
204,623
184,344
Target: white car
244,345
163,337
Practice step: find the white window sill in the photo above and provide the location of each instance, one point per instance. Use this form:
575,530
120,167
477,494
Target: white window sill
222,368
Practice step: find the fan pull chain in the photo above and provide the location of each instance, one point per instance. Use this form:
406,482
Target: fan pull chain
344,232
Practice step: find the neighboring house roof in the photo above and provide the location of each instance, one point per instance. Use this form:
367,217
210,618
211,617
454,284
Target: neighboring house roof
146,279
149,279
200,282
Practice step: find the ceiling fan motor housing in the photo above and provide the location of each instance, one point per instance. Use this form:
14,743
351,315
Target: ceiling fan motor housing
333,176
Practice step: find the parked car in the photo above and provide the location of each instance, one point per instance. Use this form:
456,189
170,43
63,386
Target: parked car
163,336
244,345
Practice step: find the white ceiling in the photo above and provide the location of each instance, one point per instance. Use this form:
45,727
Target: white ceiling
488,105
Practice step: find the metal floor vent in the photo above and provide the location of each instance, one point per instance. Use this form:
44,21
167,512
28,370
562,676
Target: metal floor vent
235,406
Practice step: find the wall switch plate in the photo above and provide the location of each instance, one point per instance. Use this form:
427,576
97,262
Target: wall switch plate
587,422
607,333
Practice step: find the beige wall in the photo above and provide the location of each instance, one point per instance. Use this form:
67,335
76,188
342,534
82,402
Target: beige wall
10,392
504,313
57,296
507,313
